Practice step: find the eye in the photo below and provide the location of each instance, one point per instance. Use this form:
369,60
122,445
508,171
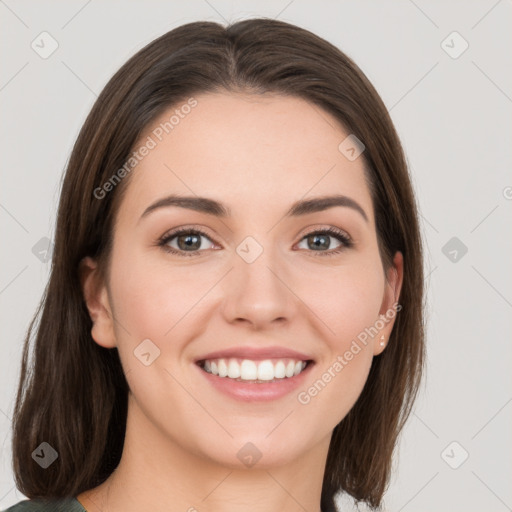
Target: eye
188,241
320,240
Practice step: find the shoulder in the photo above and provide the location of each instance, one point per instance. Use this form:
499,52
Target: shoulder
56,505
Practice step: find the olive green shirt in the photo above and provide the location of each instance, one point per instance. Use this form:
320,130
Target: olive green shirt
61,505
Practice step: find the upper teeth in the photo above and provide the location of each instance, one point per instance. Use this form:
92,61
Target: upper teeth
245,369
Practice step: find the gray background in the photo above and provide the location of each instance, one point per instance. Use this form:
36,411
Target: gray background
454,118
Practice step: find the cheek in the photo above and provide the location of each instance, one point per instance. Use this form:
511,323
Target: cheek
346,299
335,389
150,298
348,305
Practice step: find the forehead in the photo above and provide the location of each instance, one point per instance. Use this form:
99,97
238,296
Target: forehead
248,151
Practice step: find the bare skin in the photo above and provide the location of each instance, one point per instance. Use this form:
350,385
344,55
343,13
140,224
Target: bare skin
257,155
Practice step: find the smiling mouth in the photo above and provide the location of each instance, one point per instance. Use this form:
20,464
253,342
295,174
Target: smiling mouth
256,371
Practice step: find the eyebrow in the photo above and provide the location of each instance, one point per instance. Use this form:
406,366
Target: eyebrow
212,207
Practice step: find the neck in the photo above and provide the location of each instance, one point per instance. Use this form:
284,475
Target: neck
156,473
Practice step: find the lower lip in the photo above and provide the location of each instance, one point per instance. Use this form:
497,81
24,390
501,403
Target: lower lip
255,391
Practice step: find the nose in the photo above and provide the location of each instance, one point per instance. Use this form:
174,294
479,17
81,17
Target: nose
258,293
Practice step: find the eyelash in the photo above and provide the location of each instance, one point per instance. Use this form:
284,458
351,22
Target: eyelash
335,233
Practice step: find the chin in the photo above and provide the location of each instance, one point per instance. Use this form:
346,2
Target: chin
253,452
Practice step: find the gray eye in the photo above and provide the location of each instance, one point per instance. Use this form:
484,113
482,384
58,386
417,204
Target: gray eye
318,241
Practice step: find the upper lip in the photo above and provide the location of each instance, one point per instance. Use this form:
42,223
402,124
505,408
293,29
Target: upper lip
256,353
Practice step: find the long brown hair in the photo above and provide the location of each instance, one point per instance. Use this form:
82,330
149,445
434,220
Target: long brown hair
73,393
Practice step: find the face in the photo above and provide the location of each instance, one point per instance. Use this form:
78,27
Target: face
310,281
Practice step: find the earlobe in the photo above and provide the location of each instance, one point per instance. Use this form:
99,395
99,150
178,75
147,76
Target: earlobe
98,304
388,311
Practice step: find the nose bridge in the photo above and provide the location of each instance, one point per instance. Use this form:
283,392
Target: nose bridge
256,291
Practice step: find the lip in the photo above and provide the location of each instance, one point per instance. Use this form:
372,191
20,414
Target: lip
254,391
256,354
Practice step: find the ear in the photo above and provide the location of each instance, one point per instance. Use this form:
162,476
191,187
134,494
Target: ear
388,310
97,301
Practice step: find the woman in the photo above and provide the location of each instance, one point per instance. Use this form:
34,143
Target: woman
234,317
